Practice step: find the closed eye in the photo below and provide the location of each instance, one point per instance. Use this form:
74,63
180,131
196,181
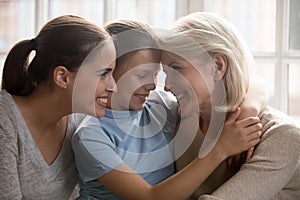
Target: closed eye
103,73
175,67
141,76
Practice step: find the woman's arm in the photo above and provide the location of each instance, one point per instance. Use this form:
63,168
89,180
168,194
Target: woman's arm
236,137
272,173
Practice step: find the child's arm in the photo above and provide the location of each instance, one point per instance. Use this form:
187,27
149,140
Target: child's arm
235,137
255,101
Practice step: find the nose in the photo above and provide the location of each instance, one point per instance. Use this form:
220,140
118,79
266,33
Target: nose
151,83
111,85
150,86
167,83
167,89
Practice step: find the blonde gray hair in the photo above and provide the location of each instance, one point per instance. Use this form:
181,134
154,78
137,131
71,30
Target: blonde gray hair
216,35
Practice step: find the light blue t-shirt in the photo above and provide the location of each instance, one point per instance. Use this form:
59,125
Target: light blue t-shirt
138,138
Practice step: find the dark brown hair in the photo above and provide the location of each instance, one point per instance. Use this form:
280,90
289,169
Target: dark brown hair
63,41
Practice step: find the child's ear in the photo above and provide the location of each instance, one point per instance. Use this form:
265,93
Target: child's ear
61,77
220,65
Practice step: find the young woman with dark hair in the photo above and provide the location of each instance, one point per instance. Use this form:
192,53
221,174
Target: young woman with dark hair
74,60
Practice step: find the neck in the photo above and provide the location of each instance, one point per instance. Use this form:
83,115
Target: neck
204,124
42,110
204,119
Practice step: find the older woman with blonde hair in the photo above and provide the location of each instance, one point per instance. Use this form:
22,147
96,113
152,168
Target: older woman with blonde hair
206,60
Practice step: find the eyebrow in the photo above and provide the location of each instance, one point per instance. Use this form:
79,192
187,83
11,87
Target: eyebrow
105,70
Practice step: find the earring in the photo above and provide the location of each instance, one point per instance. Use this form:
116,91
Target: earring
65,87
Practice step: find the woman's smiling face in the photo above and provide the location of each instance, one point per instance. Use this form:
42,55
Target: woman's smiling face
94,82
192,85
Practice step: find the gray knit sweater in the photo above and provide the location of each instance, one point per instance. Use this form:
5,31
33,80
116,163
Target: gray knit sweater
273,173
24,174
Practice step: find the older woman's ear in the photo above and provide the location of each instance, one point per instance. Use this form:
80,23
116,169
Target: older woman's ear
220,61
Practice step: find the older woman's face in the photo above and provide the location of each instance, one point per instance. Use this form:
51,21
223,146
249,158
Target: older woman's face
191,84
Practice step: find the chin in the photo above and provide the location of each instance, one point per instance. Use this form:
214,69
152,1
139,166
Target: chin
99,112
137,107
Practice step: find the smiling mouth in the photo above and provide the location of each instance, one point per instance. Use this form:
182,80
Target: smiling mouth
102,101
142,97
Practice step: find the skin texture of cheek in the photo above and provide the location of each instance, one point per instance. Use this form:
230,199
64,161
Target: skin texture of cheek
197,96
100,93
203,82
136,103
118,100
87,90
122,100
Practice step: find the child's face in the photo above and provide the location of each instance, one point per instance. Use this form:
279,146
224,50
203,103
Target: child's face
135,77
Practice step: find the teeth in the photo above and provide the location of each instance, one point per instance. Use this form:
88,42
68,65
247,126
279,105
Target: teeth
102,100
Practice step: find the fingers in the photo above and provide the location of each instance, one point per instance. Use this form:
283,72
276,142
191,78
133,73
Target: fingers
249,153
233,117
245,134
254,130
248,121
250,125
253,142
254,135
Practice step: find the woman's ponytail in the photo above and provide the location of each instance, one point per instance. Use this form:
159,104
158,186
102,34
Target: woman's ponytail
63,41
15,78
